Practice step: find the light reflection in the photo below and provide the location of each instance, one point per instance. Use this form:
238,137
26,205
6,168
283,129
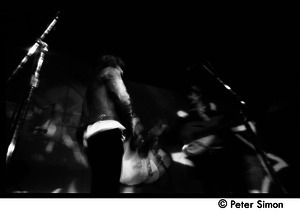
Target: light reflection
181,157
10,150
33,49
51,130
226,86
73,145
67,140
49,147
80,158
182,113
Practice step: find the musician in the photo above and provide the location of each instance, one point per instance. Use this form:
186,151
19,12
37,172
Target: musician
198,134
212,142
107,119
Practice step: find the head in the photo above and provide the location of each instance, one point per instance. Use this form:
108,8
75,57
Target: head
109,61
199,98
194,94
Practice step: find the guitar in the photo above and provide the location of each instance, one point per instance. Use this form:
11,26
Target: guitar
148,162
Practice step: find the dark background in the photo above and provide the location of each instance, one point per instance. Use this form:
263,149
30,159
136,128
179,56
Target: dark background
252,47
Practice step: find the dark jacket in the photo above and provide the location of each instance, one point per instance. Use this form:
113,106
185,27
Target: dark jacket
106,98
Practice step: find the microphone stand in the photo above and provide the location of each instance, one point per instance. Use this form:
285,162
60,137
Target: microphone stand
22,113
34,47
255,139
41,47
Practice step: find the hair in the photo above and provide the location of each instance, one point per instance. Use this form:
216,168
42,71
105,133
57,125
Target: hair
105,61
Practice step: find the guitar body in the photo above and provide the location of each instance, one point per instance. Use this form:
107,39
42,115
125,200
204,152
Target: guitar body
146,164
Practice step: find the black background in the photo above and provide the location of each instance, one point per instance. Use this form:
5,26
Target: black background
251,47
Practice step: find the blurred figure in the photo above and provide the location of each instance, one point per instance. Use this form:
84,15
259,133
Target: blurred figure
202,116
106,123
223,163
